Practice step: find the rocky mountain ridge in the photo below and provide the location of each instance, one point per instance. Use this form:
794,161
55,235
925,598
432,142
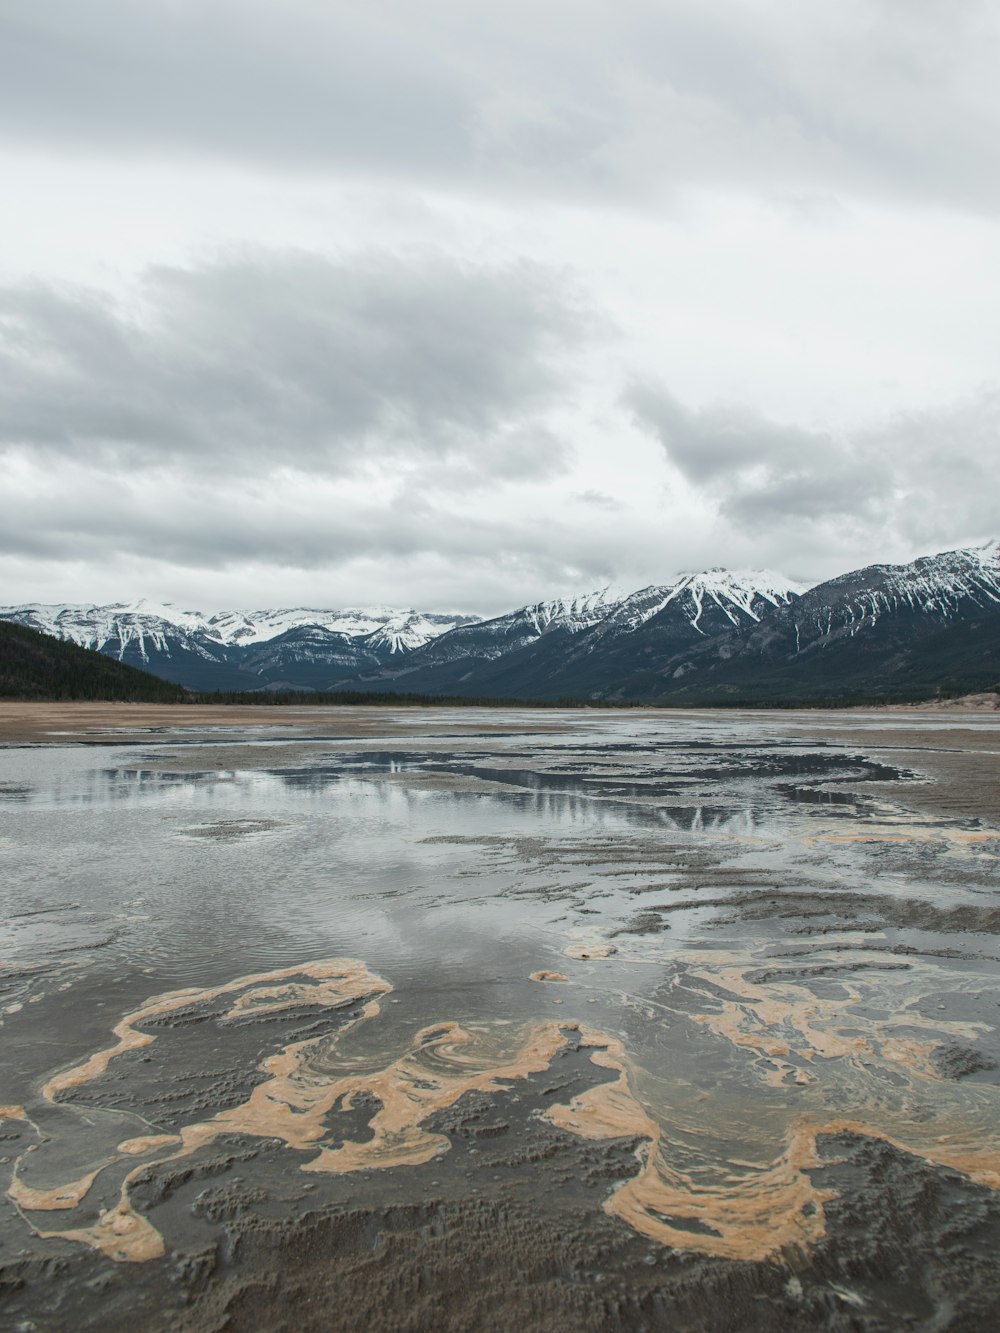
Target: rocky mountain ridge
584,646
931,624
303,648
709,637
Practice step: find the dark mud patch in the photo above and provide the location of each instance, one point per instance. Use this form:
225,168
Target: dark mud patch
652,775
215,1066
648,922
827,766
856,911
765,976
954,1061
230,829
45,910
821,796
908,1246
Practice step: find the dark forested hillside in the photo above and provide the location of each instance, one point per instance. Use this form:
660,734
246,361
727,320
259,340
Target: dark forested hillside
38,666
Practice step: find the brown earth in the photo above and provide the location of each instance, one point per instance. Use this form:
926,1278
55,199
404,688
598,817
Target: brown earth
56,723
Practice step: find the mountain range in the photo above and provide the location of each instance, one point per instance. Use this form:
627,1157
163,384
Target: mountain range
300,648
718,636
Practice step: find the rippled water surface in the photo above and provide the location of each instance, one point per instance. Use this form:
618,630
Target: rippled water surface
677,968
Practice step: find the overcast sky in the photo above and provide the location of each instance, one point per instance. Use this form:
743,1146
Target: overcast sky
459,305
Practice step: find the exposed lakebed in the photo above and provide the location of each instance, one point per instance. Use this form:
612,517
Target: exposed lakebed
478,1020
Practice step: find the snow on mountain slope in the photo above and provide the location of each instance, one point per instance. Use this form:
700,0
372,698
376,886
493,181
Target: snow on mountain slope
403,630
570,613
574,612
141,629
737,590
749,592
406,631
885,629
146,628
495,638
577,646
935,585
733,591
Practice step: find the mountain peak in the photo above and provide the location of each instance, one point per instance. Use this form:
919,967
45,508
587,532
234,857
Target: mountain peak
703,632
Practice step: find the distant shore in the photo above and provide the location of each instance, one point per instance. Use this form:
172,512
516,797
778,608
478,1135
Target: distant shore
56,723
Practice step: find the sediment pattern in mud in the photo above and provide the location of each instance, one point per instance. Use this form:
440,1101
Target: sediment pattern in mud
119,1231
712,1176
698,1020
306,1084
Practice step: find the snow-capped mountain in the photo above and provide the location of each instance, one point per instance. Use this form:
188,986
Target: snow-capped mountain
300,647
398,631
491,639
939,586
737,594
714,636
885,629
582,646
405,631
124,623
148,626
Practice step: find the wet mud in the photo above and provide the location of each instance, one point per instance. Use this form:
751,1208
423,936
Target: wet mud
570,1022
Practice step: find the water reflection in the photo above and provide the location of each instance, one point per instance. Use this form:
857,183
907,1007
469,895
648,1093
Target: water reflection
673,787
747,953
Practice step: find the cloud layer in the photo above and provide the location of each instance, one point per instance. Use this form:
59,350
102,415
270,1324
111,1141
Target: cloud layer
922,476
465,305
632,97
414,416
292,359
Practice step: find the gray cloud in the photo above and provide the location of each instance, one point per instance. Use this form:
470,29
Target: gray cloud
298,360
623,100
293,85
599,500
918,478
201,533
98,522
718,441
844,488
375,416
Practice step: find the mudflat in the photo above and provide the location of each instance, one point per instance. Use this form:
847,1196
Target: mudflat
55,723
455,1019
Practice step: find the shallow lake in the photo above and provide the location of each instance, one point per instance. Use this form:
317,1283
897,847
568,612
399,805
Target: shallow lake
566,1019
